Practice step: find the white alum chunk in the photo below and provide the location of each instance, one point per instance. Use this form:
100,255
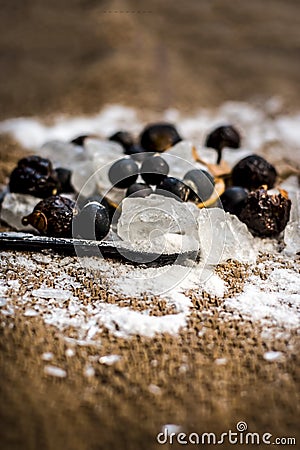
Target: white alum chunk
91,174
159,224
62,154
292,230
15,207
223,236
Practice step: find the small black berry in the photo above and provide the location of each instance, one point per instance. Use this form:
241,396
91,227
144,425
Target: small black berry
123,173
224,136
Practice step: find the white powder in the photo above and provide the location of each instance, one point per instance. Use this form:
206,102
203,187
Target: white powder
273,356
274,302
109,360
54,371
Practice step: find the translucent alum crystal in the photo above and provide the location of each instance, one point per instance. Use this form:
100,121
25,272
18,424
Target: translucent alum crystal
292,230
159,224
15,207
223,236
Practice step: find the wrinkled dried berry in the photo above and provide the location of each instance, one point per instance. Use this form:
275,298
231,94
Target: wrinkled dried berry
172,187
34,176
266,215
159,137
234,199
92,222
224,136
53,216
252,172
64,178
124,138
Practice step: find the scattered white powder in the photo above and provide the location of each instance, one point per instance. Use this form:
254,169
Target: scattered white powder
221,361
155,390
3,302
33,133
54,371
70,352
58,294
47,356
256,122
109,360
89,372
274,302
124,322
31,313
273,356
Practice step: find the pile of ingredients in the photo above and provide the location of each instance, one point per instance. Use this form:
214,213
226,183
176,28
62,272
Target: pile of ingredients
155,193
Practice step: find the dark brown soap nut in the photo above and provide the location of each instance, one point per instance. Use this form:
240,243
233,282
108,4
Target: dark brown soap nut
223,136
34,176
252,172
158,137
123,138
266,215
53,216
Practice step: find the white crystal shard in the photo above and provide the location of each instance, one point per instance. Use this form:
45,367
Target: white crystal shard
223,236
159,224
62,154
180,159
81,178
91,174
292,230
15,207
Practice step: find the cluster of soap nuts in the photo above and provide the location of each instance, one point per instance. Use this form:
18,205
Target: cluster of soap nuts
245,196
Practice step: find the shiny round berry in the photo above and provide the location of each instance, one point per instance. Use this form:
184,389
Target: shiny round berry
234,199
224,136
64,178
154,169
34,176
139,190
111,208
252,172
53,216
92,222
159,137
201,184
123,173
172,187
266,215
124,138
